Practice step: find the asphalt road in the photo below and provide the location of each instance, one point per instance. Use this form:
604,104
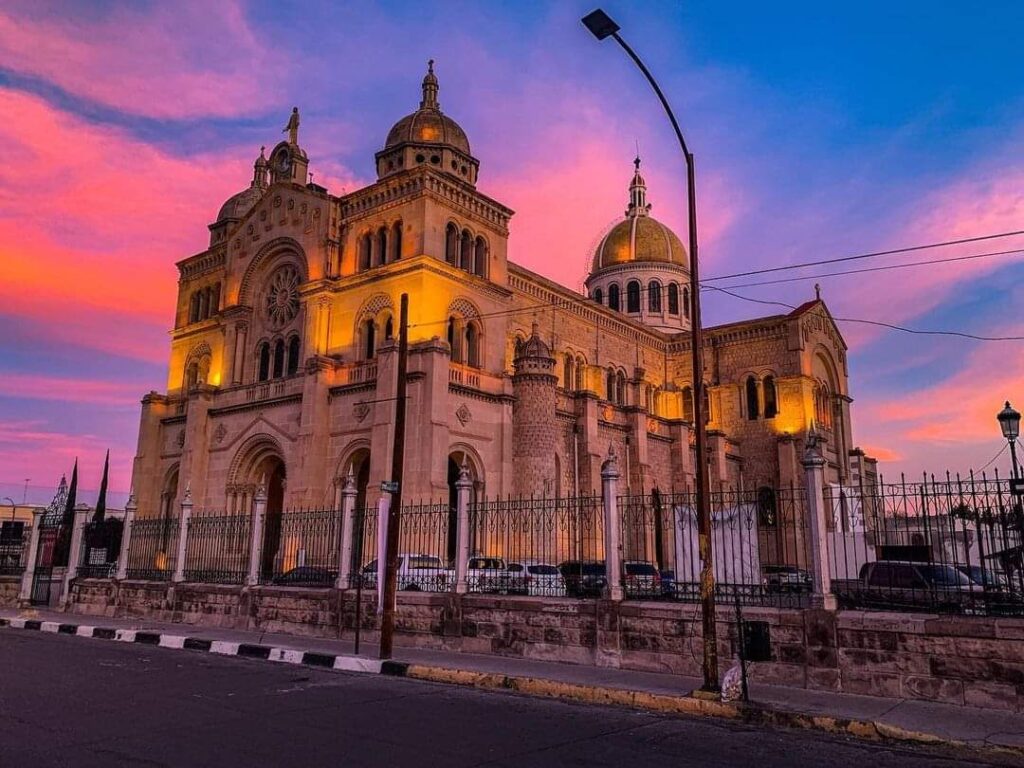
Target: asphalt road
67,701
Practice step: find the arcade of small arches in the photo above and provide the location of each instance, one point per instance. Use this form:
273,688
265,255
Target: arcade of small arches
204,303
197,368
656,293
464,340
761,398
465,251
381,247
276,358
372,330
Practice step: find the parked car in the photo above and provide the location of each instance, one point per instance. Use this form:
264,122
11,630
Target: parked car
305,576
538,579
1000,595
584,578
492,575
641,579
786,578
416,573
899,584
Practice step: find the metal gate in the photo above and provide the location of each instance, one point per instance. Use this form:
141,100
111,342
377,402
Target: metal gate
45,582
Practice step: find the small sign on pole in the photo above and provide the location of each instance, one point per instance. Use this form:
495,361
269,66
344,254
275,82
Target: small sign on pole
389,486
1017,486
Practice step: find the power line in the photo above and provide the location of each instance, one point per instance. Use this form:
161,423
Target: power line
923,263
879,323
988,463
860,256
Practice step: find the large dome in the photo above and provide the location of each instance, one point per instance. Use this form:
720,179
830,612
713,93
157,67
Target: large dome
639,237
428,125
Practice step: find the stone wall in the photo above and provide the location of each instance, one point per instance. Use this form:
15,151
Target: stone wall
970,661
9,588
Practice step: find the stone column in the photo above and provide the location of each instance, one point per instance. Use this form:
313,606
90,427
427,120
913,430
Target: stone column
346,501
183,519
33,554
821,573
238,353
463,491
259,514
612,547
75,555
130,509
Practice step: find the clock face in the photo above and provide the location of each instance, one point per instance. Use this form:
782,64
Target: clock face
284,162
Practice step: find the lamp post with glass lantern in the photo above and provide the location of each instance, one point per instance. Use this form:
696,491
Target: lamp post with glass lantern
1009,422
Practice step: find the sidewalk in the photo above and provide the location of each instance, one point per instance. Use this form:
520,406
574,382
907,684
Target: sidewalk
866,716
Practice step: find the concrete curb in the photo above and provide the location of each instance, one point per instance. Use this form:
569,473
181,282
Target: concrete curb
752,714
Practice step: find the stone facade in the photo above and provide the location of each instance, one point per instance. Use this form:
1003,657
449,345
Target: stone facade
283,356
969,661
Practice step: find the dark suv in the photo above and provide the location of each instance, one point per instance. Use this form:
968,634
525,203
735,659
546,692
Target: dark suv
584,578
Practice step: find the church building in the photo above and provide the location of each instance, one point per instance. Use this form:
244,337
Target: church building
283,360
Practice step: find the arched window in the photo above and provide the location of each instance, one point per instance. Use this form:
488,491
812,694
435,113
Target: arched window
613,297
192,376
752,409
215,301
451,245
293,355
365,250
611,386
369,339
569,373
598,296
396,241
193,308
382,245
688,403
706,398
453,340
202,304
466,251
389,328
472,345
632,296
481,257
279,359
673,299
771,402
620,388
581,367
654,296
686,302
263,356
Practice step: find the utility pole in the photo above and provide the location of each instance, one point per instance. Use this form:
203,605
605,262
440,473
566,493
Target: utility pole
387,624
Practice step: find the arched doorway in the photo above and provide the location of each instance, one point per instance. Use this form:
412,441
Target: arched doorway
272,468
452,539
362,539
455,461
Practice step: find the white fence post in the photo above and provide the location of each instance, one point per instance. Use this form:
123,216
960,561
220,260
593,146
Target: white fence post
130,508
821,573
33,554
463,491
259,513
75,554
612,546
183,520
348,511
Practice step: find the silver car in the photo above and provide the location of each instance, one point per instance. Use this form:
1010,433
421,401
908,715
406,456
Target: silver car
537,578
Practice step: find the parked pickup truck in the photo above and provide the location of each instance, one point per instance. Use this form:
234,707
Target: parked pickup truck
416,573
905,585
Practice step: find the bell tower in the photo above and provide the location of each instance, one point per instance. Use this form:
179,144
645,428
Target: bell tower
288,161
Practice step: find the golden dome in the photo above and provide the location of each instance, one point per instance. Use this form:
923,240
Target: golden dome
428,125
640,237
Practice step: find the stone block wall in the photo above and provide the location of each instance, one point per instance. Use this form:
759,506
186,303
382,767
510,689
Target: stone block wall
970,661
9,588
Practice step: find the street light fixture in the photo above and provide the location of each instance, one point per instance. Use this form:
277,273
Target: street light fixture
602,26
1009,422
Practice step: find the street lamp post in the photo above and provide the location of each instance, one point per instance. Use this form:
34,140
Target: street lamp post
1009,423
602,26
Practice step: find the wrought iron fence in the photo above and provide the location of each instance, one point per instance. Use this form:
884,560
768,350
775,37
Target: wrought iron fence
301,548
950,545
426,547
217,548
759,542
14,545
153,549
101,546
551,547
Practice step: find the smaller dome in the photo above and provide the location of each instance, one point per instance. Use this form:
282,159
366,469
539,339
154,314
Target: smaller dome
428,125
241,203
533,346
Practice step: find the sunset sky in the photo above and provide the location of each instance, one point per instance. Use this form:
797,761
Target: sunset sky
820,131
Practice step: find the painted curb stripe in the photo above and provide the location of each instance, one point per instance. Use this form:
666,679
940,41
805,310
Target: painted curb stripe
67,629
124,635
197,644
314,659
83,631
251,651
147,638
49,626
224,647
104,633
32,624
394,668
286,655
172,641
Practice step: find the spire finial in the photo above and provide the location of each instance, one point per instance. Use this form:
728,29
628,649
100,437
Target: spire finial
430,88
817,291
638,205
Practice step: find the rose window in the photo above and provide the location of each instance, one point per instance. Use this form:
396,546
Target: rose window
282,300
